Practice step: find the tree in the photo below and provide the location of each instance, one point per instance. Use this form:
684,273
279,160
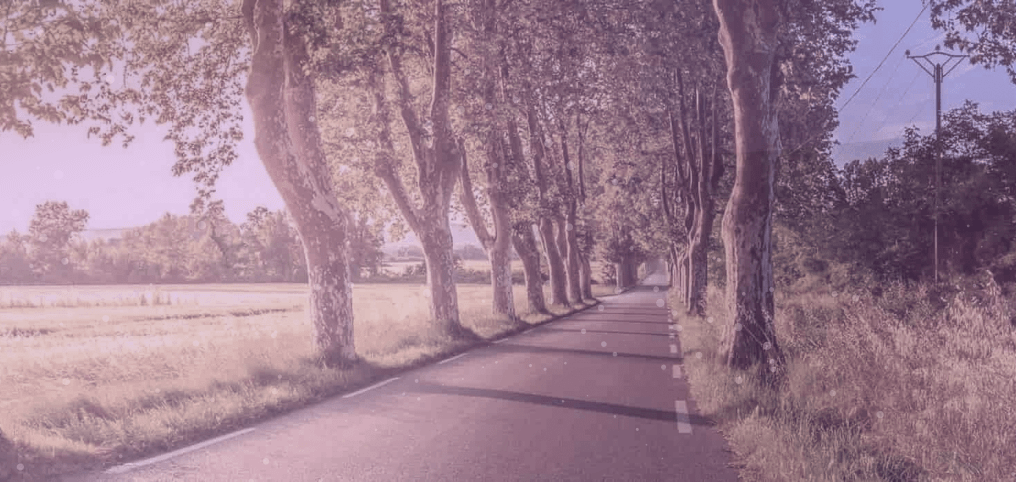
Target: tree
50,233
435,152
188,63
983,29
15,264
488,46
748,30
282,99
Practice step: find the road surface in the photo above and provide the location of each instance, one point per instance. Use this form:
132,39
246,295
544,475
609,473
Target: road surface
595,396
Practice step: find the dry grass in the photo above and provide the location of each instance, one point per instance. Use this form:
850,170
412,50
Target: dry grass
104,382
876,389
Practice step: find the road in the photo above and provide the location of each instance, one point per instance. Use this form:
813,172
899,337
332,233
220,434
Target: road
595,396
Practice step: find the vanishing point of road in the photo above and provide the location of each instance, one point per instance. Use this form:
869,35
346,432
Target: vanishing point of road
598,395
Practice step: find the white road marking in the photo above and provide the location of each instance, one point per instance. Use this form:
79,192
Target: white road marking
501,341
379,384
120,469
446,360
683,420
677,371
673,348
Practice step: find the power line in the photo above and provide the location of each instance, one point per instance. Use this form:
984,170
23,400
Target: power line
874,102
900,101
839,110
884,58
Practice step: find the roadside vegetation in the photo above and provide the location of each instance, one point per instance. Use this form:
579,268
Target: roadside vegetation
898,387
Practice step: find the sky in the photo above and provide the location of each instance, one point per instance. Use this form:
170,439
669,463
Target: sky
135,186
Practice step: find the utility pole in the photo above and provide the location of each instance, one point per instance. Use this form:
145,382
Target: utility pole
938,73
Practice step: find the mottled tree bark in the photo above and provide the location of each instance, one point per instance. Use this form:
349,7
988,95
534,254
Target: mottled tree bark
524,242
708,173
438,168
282,102
497,245
748,37
558,279
571,245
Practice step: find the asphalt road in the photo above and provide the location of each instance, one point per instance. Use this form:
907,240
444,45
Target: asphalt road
595,396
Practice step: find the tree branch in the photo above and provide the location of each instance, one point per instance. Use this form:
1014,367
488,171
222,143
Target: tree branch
468,199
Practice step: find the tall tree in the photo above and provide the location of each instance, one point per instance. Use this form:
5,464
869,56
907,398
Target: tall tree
434,150
748,34
282,100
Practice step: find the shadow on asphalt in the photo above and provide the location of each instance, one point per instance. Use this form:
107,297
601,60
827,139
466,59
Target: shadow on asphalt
599,319
506,347
572,403
572,330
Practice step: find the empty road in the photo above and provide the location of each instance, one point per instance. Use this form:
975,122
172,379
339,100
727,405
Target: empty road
595,396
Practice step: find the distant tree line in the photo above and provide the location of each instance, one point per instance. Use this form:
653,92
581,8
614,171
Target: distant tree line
173,249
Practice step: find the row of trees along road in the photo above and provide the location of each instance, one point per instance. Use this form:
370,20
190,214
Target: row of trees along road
568,130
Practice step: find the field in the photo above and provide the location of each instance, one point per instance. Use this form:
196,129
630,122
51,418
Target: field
100,374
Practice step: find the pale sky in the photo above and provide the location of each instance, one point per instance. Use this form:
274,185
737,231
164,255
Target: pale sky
133,187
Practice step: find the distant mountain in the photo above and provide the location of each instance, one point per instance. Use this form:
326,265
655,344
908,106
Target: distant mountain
844,153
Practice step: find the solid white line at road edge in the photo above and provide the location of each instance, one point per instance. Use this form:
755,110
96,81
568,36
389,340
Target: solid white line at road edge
379,384
120,469
683,421
446,360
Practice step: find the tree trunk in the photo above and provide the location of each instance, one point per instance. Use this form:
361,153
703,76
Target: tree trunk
748,37
496,245
525,245
571,264
290,148
501,278
587,278
558,279
575,272
444,301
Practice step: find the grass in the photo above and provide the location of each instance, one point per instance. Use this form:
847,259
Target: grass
109,380
880,389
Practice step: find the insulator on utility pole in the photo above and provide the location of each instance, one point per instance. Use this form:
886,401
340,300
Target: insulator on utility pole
938,72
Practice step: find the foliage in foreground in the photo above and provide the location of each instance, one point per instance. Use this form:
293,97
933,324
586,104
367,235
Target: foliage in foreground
876,388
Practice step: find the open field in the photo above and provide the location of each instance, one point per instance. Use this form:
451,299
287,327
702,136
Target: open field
93,376
876,388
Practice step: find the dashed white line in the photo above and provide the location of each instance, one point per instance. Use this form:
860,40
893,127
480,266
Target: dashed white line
501,341
677,371
446,360
673,349
376,385
683,420
120,469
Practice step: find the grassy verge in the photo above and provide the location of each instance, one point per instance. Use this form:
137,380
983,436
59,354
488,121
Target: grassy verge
884,388
95,386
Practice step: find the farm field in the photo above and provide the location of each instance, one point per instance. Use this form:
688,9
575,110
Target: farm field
104,373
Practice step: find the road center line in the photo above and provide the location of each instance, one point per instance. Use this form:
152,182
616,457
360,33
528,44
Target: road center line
120,469
446,360
376,385
500,341
683,420
677,371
